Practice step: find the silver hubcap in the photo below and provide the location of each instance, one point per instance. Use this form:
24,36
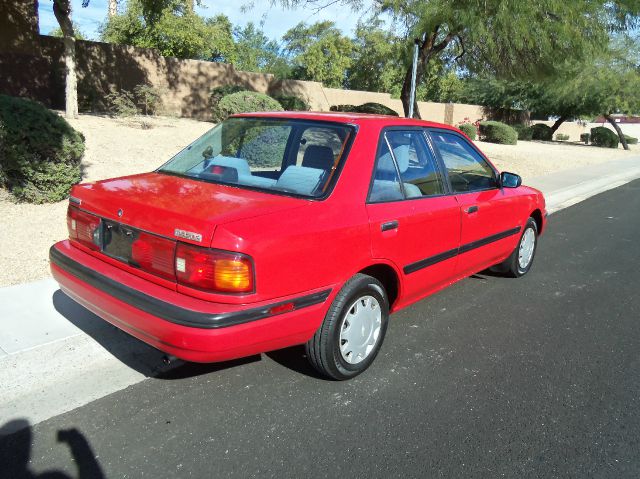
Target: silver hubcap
360,329
527,245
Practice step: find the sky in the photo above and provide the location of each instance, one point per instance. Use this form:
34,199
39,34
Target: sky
275,21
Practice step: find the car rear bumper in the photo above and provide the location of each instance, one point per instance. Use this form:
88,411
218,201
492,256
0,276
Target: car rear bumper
188,328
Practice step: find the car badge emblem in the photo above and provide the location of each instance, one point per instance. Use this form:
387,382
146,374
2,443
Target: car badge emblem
188,235
120,213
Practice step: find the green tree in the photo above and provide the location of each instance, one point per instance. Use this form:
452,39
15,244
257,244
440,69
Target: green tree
319,52
254,51
377,60
604,86
78,35
504,38
175,31
607,87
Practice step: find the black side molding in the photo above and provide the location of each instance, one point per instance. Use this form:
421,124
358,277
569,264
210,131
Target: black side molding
431,260
170,312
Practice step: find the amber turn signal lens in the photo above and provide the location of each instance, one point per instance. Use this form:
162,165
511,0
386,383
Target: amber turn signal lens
213,270
232,275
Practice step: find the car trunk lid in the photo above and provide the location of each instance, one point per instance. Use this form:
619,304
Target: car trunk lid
173,206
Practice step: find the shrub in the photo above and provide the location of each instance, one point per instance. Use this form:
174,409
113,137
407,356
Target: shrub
40,152
562,137
246,101
496,132
525,133
631,140
121,103
542,132
374,108
469,129
292,102
147,99
604,137
218,94
584,137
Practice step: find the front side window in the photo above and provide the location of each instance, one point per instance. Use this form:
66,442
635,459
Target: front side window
405,168
467,170
265,153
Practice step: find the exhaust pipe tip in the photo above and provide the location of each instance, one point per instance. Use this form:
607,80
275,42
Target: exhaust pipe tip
168,359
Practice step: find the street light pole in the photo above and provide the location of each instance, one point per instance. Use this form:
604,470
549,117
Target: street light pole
414,70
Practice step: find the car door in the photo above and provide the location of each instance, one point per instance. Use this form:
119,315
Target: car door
488,215
413,221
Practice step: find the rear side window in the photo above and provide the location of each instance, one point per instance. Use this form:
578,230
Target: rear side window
405,168
467,170
386,182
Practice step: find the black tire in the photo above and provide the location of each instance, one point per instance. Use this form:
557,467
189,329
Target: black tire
511,266
323,349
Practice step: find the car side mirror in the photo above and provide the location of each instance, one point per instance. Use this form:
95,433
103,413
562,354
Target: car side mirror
509,180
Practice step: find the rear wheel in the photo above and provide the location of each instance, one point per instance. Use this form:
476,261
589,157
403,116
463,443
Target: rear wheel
520,261
352,331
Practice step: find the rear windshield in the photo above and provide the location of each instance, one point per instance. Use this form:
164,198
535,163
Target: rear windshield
286,156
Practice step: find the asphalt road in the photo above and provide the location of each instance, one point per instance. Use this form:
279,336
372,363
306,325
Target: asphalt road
493,377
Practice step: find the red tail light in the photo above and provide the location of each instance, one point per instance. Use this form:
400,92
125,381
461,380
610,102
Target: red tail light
213,270
83,227
154,255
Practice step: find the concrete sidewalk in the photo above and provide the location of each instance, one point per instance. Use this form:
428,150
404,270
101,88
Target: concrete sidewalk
56,356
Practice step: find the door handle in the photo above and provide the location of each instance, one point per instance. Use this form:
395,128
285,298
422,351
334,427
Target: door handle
471,209
389,225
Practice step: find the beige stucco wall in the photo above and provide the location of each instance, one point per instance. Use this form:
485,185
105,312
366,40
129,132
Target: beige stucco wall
574,129
184,84
18,26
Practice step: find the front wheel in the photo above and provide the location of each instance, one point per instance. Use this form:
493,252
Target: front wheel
352,331
520,261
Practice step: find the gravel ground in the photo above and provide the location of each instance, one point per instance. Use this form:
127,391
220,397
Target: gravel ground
113,148
118,147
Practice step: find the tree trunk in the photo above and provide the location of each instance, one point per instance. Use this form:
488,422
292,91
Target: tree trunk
62,11
113,8
618,131
557,124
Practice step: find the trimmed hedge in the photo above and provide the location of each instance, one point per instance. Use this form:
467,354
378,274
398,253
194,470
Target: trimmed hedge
631,140
469,129
562,137
292,102
584,137
525,133
40,153
244,102
542,132
374,108
218,94
497,132
604,137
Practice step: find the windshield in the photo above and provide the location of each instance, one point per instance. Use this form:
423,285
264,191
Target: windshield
290,156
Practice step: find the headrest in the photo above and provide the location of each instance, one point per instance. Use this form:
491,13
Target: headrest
318,156
401,152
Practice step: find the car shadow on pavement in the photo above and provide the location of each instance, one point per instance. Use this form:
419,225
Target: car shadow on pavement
16,441
295,359
131,351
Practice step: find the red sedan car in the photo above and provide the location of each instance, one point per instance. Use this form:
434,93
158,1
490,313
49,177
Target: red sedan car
279,229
